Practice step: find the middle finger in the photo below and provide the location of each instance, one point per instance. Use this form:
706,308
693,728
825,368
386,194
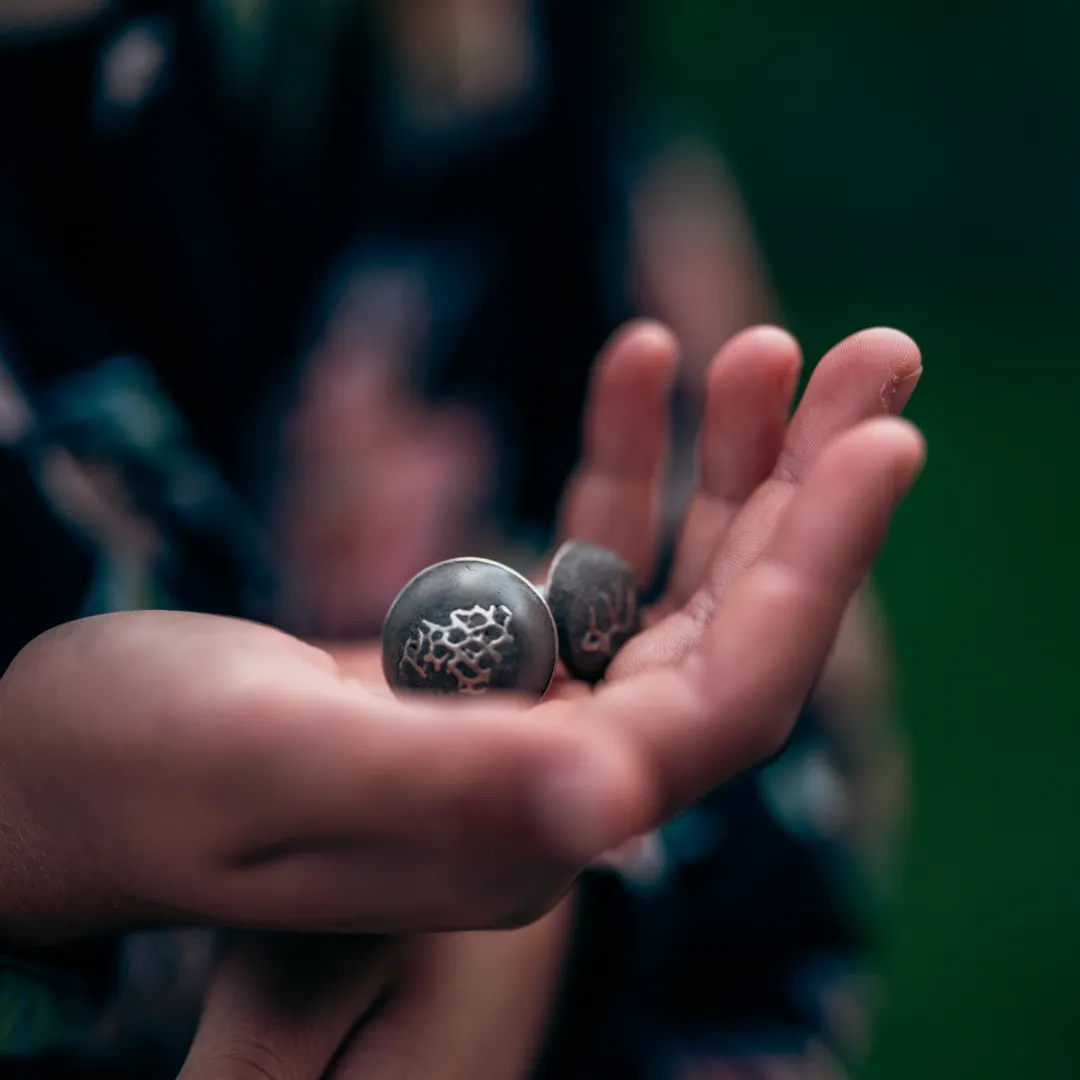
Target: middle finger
748,391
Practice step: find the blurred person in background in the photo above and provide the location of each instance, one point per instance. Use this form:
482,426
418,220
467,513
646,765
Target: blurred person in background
302,297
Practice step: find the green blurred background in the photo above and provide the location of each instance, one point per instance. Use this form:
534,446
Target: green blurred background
916,165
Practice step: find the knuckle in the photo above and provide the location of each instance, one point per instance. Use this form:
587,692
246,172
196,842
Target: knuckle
247,1056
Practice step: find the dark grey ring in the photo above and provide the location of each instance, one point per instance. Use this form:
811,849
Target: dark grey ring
593,597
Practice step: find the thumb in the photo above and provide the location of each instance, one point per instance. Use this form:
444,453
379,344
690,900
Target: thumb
280,1006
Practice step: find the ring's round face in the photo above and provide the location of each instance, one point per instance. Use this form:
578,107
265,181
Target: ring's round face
469,626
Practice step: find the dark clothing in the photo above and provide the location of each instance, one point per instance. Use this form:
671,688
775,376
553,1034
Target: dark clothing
161,228
161,276
739,944
45,568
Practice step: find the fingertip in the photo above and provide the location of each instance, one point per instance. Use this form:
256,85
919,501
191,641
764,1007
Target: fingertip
765,354
885,455
776,338
903,431
642,345
898,440
904,364
870,374
910,451
898,339
905,354
647,333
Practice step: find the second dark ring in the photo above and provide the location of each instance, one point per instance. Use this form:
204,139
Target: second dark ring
592,594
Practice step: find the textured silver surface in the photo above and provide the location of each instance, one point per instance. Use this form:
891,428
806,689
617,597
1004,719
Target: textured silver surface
469,626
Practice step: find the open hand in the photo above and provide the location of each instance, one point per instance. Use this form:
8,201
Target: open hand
164,767
431,1021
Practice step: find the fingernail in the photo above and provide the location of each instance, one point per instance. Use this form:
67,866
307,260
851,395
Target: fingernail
896,393
572,810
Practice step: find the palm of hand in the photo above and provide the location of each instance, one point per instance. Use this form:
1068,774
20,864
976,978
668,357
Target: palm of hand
782,527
